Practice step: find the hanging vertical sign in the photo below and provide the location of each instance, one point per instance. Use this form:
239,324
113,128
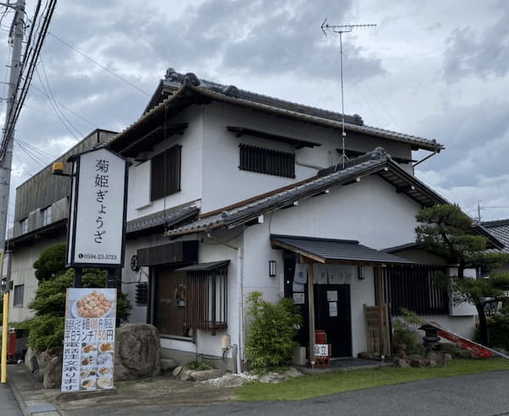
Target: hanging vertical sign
96,234
89,339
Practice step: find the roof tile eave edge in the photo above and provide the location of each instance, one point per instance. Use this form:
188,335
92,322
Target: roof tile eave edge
426,144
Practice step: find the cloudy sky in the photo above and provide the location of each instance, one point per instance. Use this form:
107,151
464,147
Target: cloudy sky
439,69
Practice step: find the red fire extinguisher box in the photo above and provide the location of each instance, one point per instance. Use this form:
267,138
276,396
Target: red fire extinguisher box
11,345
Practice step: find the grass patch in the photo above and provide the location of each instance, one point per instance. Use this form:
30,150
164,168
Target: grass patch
320,385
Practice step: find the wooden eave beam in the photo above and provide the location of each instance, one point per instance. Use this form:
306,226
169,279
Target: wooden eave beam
297,143
303,253
148,139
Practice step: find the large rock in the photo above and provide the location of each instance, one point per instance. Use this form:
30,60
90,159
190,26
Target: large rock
31,362
53,375
206,374
137,352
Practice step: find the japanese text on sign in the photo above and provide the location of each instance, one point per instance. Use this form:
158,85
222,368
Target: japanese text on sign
89,340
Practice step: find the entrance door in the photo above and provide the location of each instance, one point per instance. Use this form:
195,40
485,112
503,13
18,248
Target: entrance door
332,315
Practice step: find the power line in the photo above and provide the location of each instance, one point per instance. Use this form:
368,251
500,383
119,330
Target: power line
104,68
54,106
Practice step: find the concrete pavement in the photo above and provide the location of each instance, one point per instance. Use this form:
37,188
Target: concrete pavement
8,404
485,394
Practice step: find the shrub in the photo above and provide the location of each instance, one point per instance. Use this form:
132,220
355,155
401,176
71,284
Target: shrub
198,365
272,330
50,263
498,330
46,329
404,338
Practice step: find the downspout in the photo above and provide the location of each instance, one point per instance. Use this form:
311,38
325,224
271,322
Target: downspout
240,277
237,349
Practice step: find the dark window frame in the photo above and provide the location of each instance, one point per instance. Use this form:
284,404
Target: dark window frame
18,292
268,161
166,173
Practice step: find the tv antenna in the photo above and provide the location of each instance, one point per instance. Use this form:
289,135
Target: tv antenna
340,30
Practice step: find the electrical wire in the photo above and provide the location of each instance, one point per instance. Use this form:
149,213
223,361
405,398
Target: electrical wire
33,58
73,131
104,68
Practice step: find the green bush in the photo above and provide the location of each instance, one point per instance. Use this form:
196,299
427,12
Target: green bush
51,262
46,329
404,338
498,331
198,365
272,331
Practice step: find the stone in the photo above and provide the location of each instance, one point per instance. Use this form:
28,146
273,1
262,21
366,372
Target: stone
367,356
176,372
272,377
185,375
401,363
292,372
203,375
52,375
31,362
228,381
137,352
168,364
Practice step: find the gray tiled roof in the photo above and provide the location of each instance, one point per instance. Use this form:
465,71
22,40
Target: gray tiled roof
500,229
329,249
167,217
377,161
174,82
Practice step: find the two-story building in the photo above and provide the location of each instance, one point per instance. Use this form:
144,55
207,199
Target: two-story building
232,192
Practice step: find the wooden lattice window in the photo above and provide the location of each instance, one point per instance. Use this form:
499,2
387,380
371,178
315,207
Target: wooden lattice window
165,173
207,299
271,162
418,288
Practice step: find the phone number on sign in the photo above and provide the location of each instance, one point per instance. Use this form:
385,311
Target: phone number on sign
89,256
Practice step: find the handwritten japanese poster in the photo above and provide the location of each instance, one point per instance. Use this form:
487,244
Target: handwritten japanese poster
96,234
89,339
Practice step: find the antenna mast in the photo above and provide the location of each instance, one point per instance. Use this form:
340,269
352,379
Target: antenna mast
340,30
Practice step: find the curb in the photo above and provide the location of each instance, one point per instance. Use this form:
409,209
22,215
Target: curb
46,408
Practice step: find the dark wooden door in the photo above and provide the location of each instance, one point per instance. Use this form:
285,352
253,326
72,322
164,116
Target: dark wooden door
332,315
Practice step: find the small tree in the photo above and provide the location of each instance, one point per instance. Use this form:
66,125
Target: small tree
51,262
46,329
449,232
272,331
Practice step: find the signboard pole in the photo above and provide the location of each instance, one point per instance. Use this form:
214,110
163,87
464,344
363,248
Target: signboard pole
78,273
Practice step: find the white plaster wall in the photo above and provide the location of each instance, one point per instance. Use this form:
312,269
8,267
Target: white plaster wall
224,183
212,250
461,325
369,211
23,273
139,203
129,277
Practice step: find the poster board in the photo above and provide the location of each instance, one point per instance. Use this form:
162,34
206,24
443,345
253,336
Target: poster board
89,339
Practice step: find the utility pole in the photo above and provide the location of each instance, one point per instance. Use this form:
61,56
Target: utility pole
16,37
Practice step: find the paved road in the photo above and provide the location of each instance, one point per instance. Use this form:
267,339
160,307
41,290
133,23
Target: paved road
474,395
8,404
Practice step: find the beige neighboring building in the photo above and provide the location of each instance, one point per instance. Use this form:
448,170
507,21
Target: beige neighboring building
40,221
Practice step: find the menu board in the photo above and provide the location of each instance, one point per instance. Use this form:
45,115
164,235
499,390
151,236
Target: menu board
89,339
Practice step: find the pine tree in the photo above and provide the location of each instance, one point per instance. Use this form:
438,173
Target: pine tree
450,233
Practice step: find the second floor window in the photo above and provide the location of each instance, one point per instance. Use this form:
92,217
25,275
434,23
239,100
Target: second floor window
19,294
271,162
46,216
165,173
24,226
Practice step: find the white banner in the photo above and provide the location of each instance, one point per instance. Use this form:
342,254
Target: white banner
97,220
89,339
